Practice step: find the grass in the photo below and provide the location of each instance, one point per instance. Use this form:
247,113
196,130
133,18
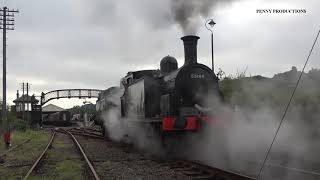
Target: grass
18,173
70,169
18,137
62,162
68,165
68,152
25,154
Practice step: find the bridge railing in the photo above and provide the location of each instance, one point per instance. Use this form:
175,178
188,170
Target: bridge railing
69,93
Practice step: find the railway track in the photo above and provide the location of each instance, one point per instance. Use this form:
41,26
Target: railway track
36,163
116,159
93,171
198,171
40,160
86,132
129,157
190,169
91,129
81,132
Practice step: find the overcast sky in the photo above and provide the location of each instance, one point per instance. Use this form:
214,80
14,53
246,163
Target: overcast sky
92,44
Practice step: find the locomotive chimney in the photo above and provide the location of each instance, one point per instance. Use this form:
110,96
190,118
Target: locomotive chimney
190,49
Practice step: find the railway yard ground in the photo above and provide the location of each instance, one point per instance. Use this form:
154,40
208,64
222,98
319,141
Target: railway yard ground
63,159
118,161
26,147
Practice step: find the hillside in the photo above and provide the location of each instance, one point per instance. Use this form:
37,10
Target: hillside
260,92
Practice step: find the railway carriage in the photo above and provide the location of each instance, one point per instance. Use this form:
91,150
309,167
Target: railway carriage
61,118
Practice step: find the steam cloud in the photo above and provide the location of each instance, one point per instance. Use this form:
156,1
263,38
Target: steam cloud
122,129
240,138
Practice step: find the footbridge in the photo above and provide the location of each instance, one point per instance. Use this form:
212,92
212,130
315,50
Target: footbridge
69,93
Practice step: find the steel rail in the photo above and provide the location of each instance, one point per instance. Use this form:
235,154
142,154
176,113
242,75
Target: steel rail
82,133
86,132
84,156
40,157
302,171
87,135
91,129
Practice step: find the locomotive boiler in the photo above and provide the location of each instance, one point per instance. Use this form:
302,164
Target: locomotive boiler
171,99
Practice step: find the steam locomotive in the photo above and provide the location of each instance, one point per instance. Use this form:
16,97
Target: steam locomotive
169,100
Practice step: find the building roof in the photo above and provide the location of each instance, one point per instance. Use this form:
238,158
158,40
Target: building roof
52,108
26,98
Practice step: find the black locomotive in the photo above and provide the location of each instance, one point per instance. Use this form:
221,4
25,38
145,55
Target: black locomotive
171,99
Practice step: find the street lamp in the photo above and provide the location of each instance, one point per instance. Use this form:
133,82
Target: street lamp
209,25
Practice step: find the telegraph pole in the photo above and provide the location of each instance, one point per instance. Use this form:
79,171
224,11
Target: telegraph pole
25,100
23,103
28,114
6,23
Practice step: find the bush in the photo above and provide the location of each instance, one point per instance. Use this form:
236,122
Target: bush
19,125
16,123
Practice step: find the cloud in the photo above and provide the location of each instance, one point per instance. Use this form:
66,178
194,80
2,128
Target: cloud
93,44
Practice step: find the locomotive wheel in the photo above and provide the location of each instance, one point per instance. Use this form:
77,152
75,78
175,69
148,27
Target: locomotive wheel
104,131
172,146
179,145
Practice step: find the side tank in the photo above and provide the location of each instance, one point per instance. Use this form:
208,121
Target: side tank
107,101
142,94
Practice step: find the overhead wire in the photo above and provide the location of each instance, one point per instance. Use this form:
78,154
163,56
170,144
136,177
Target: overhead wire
287,108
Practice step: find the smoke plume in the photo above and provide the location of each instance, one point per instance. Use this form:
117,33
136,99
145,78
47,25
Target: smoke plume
189,14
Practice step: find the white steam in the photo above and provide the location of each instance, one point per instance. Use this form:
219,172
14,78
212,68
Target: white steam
239,140
113,125
130,131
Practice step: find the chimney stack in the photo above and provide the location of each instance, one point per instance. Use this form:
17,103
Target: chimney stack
190,49
17,94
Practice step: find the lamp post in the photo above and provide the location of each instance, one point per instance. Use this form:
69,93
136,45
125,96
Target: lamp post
209,25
